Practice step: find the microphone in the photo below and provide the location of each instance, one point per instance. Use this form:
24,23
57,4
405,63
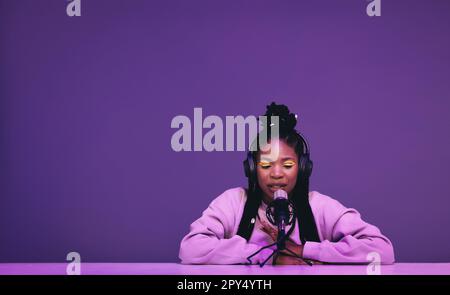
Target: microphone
280,212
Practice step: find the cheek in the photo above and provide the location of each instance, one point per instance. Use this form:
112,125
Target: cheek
261,175
292,175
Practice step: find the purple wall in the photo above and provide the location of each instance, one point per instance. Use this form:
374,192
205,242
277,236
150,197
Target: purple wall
86,104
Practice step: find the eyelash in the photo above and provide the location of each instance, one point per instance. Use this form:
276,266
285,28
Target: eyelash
265,166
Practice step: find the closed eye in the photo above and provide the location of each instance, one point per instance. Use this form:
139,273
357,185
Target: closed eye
264,165
289,164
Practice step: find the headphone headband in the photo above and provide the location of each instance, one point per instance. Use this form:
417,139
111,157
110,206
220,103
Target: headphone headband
305,145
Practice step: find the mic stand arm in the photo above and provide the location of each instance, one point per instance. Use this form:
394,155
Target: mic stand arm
279,241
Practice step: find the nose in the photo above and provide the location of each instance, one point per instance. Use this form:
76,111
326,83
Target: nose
276,172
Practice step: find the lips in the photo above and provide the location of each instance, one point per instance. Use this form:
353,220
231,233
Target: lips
276,186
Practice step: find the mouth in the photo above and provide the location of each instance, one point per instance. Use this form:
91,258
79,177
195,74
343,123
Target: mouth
276,186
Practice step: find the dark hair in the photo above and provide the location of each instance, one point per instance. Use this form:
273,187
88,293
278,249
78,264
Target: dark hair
299,197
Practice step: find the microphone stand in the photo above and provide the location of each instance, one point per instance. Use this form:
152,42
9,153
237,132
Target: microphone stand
281,246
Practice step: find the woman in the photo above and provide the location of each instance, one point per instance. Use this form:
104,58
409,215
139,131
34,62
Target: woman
235,226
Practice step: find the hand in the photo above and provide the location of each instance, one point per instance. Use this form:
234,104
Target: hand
290,244
281,259
270,230
285,257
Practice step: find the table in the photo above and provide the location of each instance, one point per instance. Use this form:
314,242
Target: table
179,269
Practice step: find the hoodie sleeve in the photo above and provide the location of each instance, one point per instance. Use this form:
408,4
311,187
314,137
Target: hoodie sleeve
347,238
210,239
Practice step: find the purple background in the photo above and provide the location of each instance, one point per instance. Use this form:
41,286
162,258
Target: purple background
86,104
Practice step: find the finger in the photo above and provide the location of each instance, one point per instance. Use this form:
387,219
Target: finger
267,225
267,228
272,232
267,231
272,236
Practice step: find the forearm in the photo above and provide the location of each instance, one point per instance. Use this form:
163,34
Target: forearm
203,249
349,250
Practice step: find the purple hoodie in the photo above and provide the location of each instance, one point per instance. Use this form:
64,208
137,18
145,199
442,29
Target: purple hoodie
344,236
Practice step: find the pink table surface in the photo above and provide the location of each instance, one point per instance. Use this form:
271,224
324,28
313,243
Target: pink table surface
179,269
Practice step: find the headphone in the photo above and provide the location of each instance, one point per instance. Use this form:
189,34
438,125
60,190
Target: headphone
305,165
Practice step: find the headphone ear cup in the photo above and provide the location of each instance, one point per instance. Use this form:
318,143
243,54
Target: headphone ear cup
250,169
305,167
245,164
246,168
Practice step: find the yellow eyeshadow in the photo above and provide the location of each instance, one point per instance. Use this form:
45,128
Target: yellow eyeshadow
289,163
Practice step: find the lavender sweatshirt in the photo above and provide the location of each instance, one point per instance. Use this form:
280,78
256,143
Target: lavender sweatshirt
344,236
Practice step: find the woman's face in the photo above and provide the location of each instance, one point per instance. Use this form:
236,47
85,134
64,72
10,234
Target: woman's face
276,168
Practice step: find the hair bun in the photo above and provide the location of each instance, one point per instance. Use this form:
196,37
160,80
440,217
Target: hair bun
286,119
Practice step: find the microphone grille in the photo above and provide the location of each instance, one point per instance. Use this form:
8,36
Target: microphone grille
280,194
